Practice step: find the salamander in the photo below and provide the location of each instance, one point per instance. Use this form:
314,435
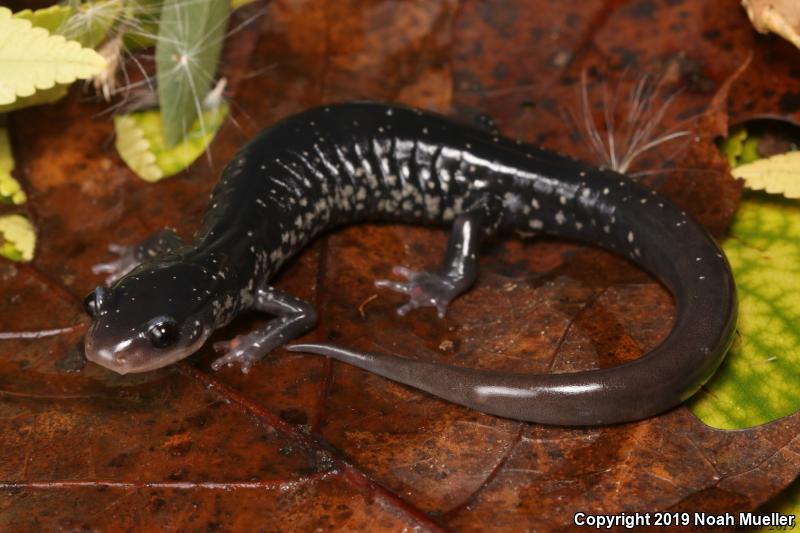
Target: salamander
359,162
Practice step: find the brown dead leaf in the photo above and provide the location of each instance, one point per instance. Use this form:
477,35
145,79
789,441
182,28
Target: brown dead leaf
303,443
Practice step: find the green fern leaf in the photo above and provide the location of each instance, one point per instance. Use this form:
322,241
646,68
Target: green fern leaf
31,59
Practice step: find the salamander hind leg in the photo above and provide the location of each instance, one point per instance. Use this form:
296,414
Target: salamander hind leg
131,256
438,289
293,317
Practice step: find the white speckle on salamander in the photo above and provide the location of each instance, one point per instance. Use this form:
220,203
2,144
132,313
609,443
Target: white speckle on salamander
630,236
512,201
536,224
560,218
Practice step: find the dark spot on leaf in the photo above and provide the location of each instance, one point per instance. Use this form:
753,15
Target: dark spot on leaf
500,72
573,20
644,9
627,57
789,102
155,503
198,421
72,361
178,475
294,416
119,460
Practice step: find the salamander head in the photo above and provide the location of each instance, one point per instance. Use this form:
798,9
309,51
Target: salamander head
150,318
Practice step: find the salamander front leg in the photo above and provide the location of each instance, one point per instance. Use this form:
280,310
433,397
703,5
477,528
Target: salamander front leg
131,256
293,318
438,289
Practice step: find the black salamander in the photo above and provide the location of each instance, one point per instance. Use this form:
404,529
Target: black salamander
358,162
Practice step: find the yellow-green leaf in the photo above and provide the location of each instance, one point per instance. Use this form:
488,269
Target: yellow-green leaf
758,380
50,18
779,174
90,22
190,36
45,96
17,238
236,4
31,59
10,191
140,142
141,18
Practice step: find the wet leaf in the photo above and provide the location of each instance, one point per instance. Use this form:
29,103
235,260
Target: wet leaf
190,36
31,59
140,142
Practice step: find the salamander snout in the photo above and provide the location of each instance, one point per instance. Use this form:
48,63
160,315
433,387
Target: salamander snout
139,325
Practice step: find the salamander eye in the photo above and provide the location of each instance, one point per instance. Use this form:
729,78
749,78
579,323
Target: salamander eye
163,332
90,304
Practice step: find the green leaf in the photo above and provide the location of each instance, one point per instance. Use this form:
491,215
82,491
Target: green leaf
31,59
758,381
140,142
45,96
142,18
731,146
779,174
10,191
90,22
50,18
187,54
17,238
